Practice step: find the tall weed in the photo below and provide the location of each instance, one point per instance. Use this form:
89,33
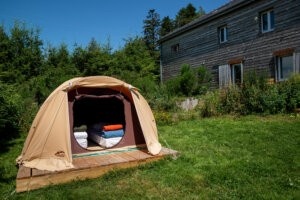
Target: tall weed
211,104
231,101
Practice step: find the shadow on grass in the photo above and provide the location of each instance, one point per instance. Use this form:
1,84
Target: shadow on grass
8,134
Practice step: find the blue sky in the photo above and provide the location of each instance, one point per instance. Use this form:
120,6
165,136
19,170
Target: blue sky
78,21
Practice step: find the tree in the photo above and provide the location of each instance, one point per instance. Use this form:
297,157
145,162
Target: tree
98,59
26,47
21,55
167,25
151,30
201,11
187,14
4,48
187,79
79,58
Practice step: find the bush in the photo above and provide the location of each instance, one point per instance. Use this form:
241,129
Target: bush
254,96
204,79
252,90
162,117
187,81
273,101
190,81
10,111
231,100
211,104
173,86
291,89
162,100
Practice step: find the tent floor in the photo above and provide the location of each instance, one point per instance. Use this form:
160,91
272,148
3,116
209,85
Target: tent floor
88,165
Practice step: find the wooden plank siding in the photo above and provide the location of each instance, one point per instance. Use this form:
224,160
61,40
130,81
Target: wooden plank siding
200,44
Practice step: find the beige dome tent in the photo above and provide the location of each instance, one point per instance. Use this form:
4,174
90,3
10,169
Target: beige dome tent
50,143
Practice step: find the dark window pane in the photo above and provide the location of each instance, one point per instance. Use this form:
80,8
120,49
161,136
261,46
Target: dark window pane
265,22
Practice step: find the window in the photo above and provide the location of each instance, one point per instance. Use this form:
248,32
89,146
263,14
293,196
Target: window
285,67
175,48
230,74
267,21
236,74
223,34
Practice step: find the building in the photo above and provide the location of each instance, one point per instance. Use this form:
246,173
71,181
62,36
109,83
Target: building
239,37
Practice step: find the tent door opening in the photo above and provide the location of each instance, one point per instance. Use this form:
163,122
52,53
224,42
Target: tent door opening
92,112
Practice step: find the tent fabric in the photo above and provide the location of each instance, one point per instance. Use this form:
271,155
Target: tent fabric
48,144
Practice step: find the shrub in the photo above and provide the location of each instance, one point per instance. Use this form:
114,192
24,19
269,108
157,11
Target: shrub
291,89
10,111
187,80
204,78
190,81
162,101
231,101
252,90
162,117
273,101
211,104
173,86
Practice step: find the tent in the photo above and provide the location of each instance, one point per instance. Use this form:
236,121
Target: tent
50,143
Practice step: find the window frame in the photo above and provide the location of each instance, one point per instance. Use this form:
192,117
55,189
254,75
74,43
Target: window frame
175,48
232,73
279,66
223,31
270,21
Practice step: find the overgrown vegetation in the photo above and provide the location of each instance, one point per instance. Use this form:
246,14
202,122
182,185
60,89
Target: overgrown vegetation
254,96
191,81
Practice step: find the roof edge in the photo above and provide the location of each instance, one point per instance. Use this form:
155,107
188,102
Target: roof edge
226,8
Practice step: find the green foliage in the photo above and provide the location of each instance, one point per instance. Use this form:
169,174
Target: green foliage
187,14
210,104
187,80
231,100
10,113
173,86
204,80
190,81
167,25
151,30
290,91
134,58
256,96
162,117
20,55
95,59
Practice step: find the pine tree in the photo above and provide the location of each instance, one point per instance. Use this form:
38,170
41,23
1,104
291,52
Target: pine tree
167,26
151,30
186,15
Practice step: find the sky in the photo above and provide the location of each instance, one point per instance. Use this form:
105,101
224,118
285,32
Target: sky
73,22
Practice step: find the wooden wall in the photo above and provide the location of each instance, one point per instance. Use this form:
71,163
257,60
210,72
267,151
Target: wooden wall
200,45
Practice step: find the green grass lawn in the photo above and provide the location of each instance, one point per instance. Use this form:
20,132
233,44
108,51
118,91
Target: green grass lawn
248,157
